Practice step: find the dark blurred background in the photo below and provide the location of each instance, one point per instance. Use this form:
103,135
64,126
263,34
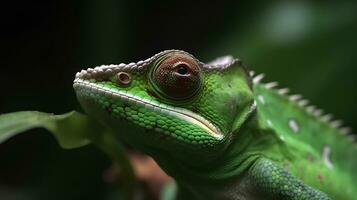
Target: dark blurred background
310,47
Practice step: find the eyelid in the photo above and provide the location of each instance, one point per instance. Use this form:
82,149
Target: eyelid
180,63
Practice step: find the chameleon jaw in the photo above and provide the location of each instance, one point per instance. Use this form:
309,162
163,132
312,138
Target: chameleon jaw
184,114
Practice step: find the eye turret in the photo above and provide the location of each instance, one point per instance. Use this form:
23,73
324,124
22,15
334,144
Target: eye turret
177,76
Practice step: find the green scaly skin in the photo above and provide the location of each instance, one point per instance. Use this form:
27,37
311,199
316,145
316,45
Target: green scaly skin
218,131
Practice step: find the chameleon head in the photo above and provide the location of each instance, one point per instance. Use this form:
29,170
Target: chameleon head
170,103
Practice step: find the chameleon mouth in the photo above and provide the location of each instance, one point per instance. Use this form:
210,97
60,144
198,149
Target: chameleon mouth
184,114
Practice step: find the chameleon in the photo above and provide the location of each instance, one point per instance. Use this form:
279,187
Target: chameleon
219,131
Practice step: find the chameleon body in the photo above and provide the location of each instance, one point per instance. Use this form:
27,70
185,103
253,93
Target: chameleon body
219,131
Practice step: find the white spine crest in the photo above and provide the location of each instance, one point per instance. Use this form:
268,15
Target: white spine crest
298,100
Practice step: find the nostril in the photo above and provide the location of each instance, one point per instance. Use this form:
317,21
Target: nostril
123,78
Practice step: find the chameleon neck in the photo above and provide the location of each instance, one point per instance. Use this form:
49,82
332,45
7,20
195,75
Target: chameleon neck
223,173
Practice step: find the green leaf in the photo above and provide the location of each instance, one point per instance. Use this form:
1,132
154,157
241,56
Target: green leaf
72,130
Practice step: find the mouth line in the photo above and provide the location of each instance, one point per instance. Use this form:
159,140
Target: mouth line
180,113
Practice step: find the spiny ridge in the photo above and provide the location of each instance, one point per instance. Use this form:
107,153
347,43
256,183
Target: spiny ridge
311,109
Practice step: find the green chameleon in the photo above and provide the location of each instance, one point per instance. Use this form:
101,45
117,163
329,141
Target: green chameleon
220,132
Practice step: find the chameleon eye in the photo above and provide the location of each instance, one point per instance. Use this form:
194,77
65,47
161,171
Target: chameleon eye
182,69
177,77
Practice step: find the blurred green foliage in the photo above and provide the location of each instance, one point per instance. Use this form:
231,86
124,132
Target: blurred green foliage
308,46
72,130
